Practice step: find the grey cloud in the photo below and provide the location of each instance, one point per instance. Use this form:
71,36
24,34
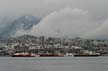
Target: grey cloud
65,22
97,13
44,7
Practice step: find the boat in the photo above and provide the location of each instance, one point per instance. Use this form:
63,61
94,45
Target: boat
24,55
87,54
51,55
69,54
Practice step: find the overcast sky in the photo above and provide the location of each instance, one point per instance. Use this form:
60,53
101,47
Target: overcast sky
68,17
44,7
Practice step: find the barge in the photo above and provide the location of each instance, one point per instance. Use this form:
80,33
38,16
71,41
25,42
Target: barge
51,55
23,55
87,54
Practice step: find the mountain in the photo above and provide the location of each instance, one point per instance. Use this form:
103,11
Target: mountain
24,23
24,37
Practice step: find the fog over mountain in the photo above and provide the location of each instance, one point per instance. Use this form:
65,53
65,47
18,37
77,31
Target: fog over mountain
66,22
59,18
24,23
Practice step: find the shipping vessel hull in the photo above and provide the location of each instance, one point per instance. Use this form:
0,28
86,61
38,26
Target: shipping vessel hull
79,55
22,56
50,55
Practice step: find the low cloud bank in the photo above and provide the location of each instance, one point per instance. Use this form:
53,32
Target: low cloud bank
66,22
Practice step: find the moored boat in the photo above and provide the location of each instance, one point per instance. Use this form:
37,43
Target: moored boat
51,55
69,54
24,55
87,54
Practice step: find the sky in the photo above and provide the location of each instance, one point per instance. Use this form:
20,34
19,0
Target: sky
66,18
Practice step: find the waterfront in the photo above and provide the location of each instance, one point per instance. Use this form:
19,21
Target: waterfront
54,64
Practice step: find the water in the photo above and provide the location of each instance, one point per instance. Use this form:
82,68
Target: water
54,64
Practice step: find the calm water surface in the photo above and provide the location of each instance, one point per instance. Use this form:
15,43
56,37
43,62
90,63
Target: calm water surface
54,64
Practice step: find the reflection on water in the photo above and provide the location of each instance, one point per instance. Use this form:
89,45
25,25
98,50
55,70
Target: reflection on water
54,64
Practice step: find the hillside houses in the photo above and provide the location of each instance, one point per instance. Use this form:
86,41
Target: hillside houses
51,44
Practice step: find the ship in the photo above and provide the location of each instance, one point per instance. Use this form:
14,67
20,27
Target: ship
51,55
87,54
69,54
24,55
